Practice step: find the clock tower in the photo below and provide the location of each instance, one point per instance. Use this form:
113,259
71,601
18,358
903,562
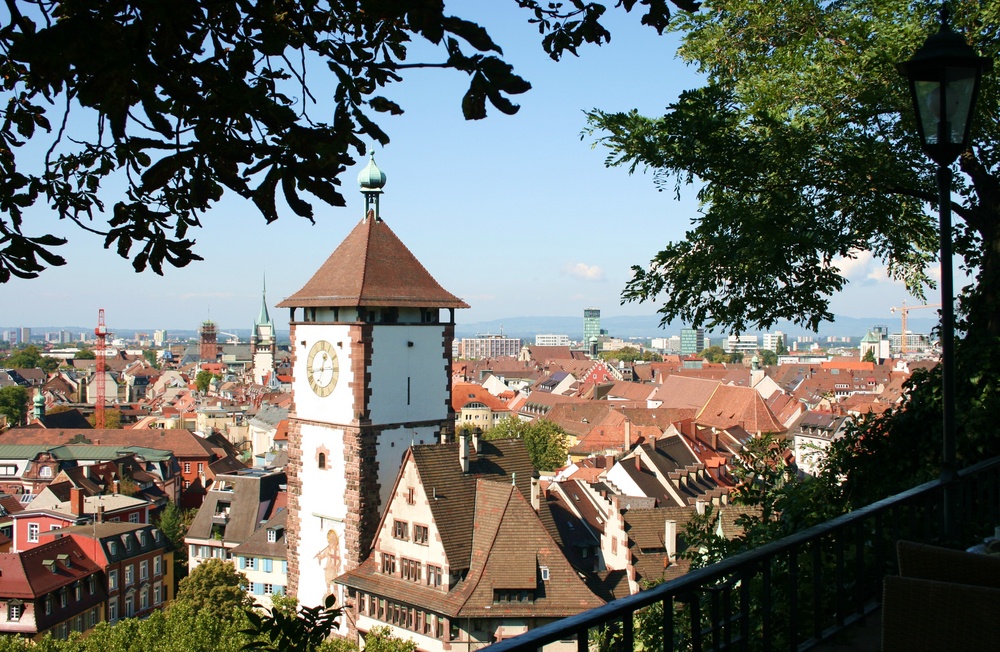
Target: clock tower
371,335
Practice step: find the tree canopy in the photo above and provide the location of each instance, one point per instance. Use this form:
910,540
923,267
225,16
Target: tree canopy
546,442
27,358
143,115
203,380
14,404
215,587
630,354
803,151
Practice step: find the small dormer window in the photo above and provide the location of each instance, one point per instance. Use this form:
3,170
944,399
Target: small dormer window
272,535
113,548
45,472
545,573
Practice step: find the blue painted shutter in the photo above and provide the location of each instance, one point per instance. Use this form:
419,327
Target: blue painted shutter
258,588
284,567
243,563
267,565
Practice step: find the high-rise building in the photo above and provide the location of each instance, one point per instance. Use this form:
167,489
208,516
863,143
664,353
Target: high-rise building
591,326
25,336
371,336
692,341
159,337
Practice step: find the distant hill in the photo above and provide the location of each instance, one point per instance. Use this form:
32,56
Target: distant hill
625,327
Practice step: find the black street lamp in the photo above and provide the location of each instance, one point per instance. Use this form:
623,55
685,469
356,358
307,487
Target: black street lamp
944,77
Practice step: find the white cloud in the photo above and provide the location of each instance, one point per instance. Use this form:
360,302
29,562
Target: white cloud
584,271
864,268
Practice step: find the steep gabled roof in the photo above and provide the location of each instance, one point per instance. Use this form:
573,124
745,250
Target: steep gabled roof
509,547
685,392
451,492
738,406
372,267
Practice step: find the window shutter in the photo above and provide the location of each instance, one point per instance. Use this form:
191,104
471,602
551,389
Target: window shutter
258,588
243,563
267,565
284,567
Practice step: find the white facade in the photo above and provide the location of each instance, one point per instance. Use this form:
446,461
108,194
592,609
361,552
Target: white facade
741,344
551,339
770,340
266,577
490,346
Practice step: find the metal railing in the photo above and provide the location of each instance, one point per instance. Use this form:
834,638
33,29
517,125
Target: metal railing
789,594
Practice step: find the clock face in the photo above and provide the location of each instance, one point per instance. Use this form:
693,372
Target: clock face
322,368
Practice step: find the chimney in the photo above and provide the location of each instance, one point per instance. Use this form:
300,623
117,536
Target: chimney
715,439
100,513
699,506
476,432
670,539
117,486
535,492
638,463
76,501
463,451
628,434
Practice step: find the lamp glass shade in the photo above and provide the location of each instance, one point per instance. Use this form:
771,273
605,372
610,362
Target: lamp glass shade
944,77
944,106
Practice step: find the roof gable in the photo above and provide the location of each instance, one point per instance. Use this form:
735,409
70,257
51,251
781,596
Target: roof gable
506,529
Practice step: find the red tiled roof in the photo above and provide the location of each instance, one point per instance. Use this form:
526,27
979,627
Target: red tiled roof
464,393
26,577
372,267
738,406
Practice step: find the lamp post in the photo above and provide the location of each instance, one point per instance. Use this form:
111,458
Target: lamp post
944,76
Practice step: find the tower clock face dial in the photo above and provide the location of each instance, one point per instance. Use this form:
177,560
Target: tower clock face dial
322,368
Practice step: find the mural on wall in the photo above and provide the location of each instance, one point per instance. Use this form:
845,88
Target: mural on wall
329,561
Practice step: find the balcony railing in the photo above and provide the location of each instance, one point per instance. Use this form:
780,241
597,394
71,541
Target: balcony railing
789,594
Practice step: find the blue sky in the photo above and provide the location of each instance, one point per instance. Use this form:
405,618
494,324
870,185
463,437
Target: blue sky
515,214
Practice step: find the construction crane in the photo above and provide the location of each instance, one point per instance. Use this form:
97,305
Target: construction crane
903,311
102,335
233,337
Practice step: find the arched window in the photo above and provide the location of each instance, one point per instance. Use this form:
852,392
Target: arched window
322,460
45,472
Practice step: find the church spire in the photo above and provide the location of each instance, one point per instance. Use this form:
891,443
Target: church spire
263,317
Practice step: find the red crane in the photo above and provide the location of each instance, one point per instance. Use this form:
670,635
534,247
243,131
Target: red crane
101,332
